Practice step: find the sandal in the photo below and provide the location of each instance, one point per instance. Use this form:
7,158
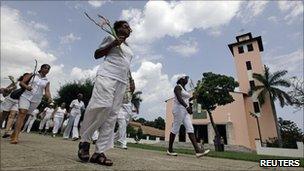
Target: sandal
101,159
84,151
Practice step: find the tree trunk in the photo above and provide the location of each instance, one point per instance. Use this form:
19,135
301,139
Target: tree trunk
217,138
276,121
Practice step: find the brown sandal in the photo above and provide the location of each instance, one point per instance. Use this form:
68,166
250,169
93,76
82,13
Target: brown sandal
101,159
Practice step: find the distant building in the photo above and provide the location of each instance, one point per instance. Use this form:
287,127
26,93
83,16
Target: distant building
153,133
233,120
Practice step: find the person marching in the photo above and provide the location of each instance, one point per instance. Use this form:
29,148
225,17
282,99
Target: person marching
9,107
30,121
76,107
34,85
181,115
59,114
107,95
47,115
124,115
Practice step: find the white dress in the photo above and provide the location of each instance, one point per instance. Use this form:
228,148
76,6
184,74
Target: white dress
180,114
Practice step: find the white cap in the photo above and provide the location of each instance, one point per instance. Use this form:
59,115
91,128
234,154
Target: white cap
181,76
52,104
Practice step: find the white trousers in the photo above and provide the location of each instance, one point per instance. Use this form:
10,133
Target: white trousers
29,123
72,126
124,116
45,122
102,111
121,134
57,124
181,116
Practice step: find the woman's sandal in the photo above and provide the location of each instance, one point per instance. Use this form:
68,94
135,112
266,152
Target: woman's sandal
101,159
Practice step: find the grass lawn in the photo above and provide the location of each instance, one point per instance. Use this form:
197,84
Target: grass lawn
227,154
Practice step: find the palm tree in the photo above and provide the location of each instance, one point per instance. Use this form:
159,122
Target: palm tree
269,88
136,100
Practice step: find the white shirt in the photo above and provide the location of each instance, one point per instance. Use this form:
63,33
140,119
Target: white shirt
185,96
116,64
48,112
60,112
76,107
34,113
38,85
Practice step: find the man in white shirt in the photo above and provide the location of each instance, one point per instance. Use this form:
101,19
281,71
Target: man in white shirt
76,107
107,96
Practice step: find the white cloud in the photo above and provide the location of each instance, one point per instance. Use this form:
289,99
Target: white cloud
251,9
40,26
69,38
273,19
81,74
156,88
160,18
21,43
292,62
185,48
97,4
33,13
294,9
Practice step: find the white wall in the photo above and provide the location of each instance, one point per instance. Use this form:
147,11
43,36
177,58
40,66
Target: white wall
280,151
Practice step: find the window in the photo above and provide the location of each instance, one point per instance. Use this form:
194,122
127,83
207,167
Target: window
256,107
250,47
248,65
252,85
241,49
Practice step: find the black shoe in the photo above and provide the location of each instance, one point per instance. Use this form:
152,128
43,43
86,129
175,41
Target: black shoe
6,135
75,139
94,141
84,151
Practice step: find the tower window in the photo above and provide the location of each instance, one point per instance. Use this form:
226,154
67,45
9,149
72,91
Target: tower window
252,85
250,47
256,107
248,65
241,49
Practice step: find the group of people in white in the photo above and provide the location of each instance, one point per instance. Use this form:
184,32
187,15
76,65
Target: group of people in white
110,103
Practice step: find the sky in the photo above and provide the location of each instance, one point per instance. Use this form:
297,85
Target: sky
168,39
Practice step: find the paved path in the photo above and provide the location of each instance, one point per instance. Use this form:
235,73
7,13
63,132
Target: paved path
38,152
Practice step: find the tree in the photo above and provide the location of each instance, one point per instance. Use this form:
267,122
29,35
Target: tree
141,120
43,104
297,93
136,100
214,90
68,92
159,123
290,134
269,88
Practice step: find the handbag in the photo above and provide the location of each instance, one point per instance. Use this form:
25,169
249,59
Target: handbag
17,93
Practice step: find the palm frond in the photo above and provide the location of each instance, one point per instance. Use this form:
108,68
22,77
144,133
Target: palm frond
283,83
283,97
262,79
254,89
262,96
277,76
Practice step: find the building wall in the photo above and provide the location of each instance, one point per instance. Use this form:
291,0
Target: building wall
266,120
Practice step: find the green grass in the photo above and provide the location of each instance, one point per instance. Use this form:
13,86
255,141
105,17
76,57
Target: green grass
226,154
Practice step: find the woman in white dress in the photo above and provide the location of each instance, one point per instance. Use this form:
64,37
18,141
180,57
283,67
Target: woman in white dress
47,115
32,96
59,114
181,115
